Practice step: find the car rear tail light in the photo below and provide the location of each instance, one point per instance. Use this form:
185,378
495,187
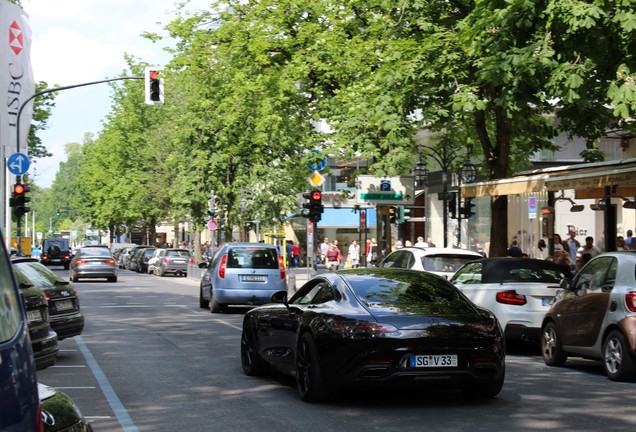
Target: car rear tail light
81,261
110,261
630,301
281,266
511,297
357,329
222,266
165,260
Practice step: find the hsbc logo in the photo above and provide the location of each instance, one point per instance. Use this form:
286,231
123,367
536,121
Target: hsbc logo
16,38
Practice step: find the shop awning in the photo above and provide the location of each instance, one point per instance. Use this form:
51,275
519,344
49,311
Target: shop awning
507,186
593,178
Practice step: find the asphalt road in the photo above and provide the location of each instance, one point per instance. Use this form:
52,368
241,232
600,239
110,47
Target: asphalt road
150,359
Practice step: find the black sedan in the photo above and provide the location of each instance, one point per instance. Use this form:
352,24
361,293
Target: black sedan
376,327
64,307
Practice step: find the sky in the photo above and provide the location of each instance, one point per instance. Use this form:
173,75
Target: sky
80,41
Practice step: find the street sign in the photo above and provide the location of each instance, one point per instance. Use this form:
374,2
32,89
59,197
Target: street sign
317,166
385,191
316,179
18,163
212,225
532,207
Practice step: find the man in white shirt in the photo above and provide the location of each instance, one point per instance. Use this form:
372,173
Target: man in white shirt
420,242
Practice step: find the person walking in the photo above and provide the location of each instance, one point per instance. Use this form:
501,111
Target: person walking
588,247
420,242
324,248
571,245
353,255
629,240
514,250
331,258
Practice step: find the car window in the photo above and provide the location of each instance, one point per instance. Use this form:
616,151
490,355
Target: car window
322,292
594,275
9,300
60,243
445,262
470,274
178,253
248,257
429,295
399,259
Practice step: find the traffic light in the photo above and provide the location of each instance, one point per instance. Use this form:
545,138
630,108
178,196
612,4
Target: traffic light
316,207
58,213
306,211
20,200
469,207
153,85
393,214
452,205
405,214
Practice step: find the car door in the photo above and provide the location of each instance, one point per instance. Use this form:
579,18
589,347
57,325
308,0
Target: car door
583,308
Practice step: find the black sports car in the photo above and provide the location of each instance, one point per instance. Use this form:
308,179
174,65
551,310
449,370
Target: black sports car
376,327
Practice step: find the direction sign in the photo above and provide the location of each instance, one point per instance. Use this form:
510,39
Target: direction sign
18,163
372,190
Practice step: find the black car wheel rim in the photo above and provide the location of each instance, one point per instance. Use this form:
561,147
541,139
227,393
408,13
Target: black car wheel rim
247,352
303,367
613,355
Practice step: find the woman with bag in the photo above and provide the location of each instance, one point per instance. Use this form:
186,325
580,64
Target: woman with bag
332,257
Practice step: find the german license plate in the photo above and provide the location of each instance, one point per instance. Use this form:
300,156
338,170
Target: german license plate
34,315
253,278
433,361
63,305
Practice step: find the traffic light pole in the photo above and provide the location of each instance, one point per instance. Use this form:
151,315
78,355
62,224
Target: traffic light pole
17,134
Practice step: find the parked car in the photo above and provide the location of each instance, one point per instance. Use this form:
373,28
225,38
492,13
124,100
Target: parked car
518,291
43,337
93,262
123,259
375,327
173,261
595,316
154,259
19,405
59,413
242,274
65,316
441,261
141,259
134,257
56,251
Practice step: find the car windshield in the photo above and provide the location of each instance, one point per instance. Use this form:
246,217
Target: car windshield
95,251
408,292
178,253
445,263
248,257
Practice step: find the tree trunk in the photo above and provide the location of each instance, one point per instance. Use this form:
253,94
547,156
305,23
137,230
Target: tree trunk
499,227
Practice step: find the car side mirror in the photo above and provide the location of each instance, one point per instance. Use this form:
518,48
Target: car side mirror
203,265
566,283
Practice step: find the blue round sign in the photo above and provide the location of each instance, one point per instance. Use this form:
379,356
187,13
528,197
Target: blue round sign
319,166
18,163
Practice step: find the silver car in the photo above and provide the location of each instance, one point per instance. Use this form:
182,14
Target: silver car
93,262
171,261
242,274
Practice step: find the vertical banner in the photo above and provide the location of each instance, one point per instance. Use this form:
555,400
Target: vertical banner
16,76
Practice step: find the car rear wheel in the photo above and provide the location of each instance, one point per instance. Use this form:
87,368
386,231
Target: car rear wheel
310,382
553,354
112,279
253,364
484,391
74,278
617,359
203,303
214,306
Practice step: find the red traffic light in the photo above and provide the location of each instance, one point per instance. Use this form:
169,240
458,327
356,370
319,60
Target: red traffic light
19,189
154,75
316,196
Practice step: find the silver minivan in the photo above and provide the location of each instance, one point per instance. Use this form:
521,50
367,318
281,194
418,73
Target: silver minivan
242,274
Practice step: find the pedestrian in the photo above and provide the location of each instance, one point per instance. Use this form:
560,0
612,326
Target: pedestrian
353,255
331,258
514,250
372,255
628,239
420,242
571,245
296,254
429,241
324,248
408,243
621,244
589,247
561,257
542,251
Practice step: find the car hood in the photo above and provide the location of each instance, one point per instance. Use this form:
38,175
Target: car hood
58,410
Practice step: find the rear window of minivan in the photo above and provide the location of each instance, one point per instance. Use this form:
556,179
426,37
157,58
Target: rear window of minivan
252,258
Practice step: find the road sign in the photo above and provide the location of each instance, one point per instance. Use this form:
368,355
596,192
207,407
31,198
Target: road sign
212,225
532,207
372,190
18,163
317,166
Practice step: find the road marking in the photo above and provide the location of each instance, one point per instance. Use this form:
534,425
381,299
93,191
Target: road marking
68,366
77,388
118,408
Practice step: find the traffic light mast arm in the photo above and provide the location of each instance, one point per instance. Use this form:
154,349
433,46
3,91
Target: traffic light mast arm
57,89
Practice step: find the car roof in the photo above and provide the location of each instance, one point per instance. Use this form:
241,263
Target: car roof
494,269
439,251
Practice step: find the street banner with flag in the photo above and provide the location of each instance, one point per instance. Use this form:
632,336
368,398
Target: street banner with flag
16,76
